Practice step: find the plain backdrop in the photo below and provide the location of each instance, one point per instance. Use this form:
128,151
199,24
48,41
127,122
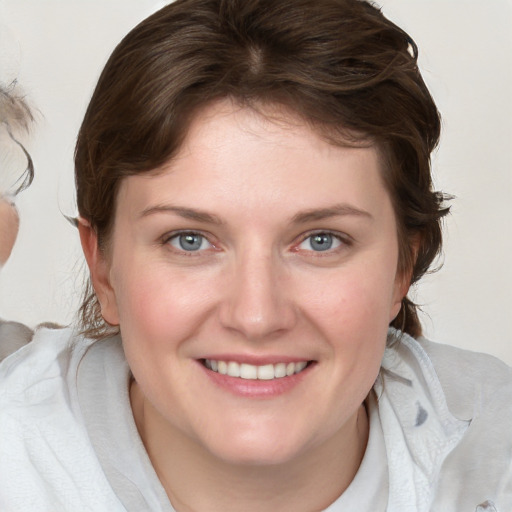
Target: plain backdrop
57,48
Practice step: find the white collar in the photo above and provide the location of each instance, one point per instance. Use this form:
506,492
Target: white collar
419,430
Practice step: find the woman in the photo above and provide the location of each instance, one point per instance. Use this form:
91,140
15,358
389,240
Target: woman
255,200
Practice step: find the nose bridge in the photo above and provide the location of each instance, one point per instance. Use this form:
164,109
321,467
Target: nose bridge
257,301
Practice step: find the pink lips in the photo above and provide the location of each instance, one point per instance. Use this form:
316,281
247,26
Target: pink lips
253,387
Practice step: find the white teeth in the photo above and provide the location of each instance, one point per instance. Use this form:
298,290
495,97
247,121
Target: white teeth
300,366
253,372
266,372
280,370
248,371
222,367
233,369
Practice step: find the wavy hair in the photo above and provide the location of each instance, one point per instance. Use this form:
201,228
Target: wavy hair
338,64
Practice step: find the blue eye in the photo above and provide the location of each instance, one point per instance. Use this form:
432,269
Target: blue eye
320,242
190,242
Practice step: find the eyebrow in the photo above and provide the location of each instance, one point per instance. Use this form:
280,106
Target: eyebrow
313,214
186,213
338,210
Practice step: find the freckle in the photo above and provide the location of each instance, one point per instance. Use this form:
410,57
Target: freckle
421,416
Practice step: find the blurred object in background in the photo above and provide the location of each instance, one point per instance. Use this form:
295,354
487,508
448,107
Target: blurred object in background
16,166
16,174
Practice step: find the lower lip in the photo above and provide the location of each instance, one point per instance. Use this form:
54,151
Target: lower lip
255,388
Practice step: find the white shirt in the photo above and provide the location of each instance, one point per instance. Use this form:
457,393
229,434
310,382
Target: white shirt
440,432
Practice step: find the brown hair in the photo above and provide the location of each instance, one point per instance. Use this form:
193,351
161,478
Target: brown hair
339,64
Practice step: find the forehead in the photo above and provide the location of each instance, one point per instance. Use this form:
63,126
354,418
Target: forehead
269,122
233,155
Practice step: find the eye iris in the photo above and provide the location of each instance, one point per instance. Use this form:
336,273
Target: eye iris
190,242
321,242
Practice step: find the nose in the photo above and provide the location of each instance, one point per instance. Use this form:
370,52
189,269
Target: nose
257,300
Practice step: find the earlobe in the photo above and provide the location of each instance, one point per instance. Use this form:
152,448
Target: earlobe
402,285
404,277
99,269
397,304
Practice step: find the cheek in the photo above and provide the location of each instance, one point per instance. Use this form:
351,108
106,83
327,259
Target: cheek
157,305
355,323
354,298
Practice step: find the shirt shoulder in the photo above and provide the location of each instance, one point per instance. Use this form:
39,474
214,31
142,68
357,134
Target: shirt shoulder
43,441
39,368
476,390
471,381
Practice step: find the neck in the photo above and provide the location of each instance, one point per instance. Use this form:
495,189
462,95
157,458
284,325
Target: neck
195,479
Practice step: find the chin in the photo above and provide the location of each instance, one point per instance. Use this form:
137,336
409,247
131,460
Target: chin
256,455
257,446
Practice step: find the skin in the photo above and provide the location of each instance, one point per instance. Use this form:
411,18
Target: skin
9,225
256,288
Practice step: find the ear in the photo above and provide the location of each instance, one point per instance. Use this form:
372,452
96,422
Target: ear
402,284
403,280
99,269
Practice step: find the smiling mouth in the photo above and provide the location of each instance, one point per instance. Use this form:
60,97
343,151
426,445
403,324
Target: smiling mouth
254,372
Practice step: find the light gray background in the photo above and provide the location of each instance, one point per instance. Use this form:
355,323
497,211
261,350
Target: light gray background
57,48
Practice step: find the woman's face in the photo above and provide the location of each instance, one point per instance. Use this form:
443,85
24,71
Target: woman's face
259,250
